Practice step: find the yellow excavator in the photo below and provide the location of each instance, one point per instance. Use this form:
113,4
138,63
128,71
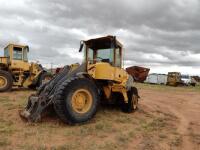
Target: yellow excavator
16,71
76,91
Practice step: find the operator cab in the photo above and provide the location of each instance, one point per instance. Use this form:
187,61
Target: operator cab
105,49
16,52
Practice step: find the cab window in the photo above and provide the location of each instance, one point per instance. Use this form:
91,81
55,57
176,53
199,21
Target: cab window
90,55
105,55
6,52
118,57
25,51
17,53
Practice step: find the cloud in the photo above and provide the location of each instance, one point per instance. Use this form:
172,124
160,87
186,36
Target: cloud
155,33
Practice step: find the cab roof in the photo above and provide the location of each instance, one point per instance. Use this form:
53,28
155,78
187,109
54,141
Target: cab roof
103,42
17,45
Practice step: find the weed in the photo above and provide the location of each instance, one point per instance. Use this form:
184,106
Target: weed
4,99
122,138
85,130
155,124
195,138
132,134
29,133
148,144
124,119
162,136
6,127
4,142
109,146
42,147
104,126
176,141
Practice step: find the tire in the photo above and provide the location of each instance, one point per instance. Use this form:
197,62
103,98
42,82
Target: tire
64,100
132,104
43,77
6,81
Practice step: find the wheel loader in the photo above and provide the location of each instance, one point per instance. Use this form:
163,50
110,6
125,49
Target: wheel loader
16,71
77,90
174,78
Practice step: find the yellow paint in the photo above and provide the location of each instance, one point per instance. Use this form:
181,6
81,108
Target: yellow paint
3,82
81,101
3,60
104,71
107,91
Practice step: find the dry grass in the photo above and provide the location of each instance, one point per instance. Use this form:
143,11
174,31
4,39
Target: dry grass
167,88
110,129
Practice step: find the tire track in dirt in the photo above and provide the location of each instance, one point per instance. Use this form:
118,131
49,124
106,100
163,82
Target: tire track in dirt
177,105
182,127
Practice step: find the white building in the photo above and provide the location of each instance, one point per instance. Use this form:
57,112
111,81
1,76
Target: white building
155,78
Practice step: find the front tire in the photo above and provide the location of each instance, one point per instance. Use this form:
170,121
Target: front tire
6,81
76,100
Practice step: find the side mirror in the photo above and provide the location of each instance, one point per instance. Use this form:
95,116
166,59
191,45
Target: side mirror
81,46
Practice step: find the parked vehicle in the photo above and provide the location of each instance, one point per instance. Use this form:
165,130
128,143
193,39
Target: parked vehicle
76,91
15,70
174,78
188,80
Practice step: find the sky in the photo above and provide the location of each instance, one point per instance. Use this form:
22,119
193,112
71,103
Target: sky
163,35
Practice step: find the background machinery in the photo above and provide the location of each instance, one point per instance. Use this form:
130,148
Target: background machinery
138,73
76,91
15,70
174,78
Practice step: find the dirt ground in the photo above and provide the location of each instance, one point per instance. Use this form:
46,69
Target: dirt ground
168,118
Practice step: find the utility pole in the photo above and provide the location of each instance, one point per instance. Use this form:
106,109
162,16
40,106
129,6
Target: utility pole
51,67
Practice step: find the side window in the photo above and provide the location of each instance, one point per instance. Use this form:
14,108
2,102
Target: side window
90,55
117,57
6,52
25,51
17,53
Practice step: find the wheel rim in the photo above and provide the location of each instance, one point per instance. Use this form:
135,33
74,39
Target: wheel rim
81,101
3,82
134,102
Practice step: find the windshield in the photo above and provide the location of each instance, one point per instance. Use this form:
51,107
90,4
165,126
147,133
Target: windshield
17,53
185,77
101,55
105,55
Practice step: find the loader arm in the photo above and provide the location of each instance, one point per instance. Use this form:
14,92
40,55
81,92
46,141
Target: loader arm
46,94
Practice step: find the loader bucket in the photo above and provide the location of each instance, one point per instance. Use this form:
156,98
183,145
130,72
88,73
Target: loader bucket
33,109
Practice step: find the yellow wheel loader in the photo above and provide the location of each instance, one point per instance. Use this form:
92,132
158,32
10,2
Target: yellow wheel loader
76,91
174,79
15,70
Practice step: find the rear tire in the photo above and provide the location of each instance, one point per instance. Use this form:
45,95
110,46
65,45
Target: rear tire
67,104
6,81
132,104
